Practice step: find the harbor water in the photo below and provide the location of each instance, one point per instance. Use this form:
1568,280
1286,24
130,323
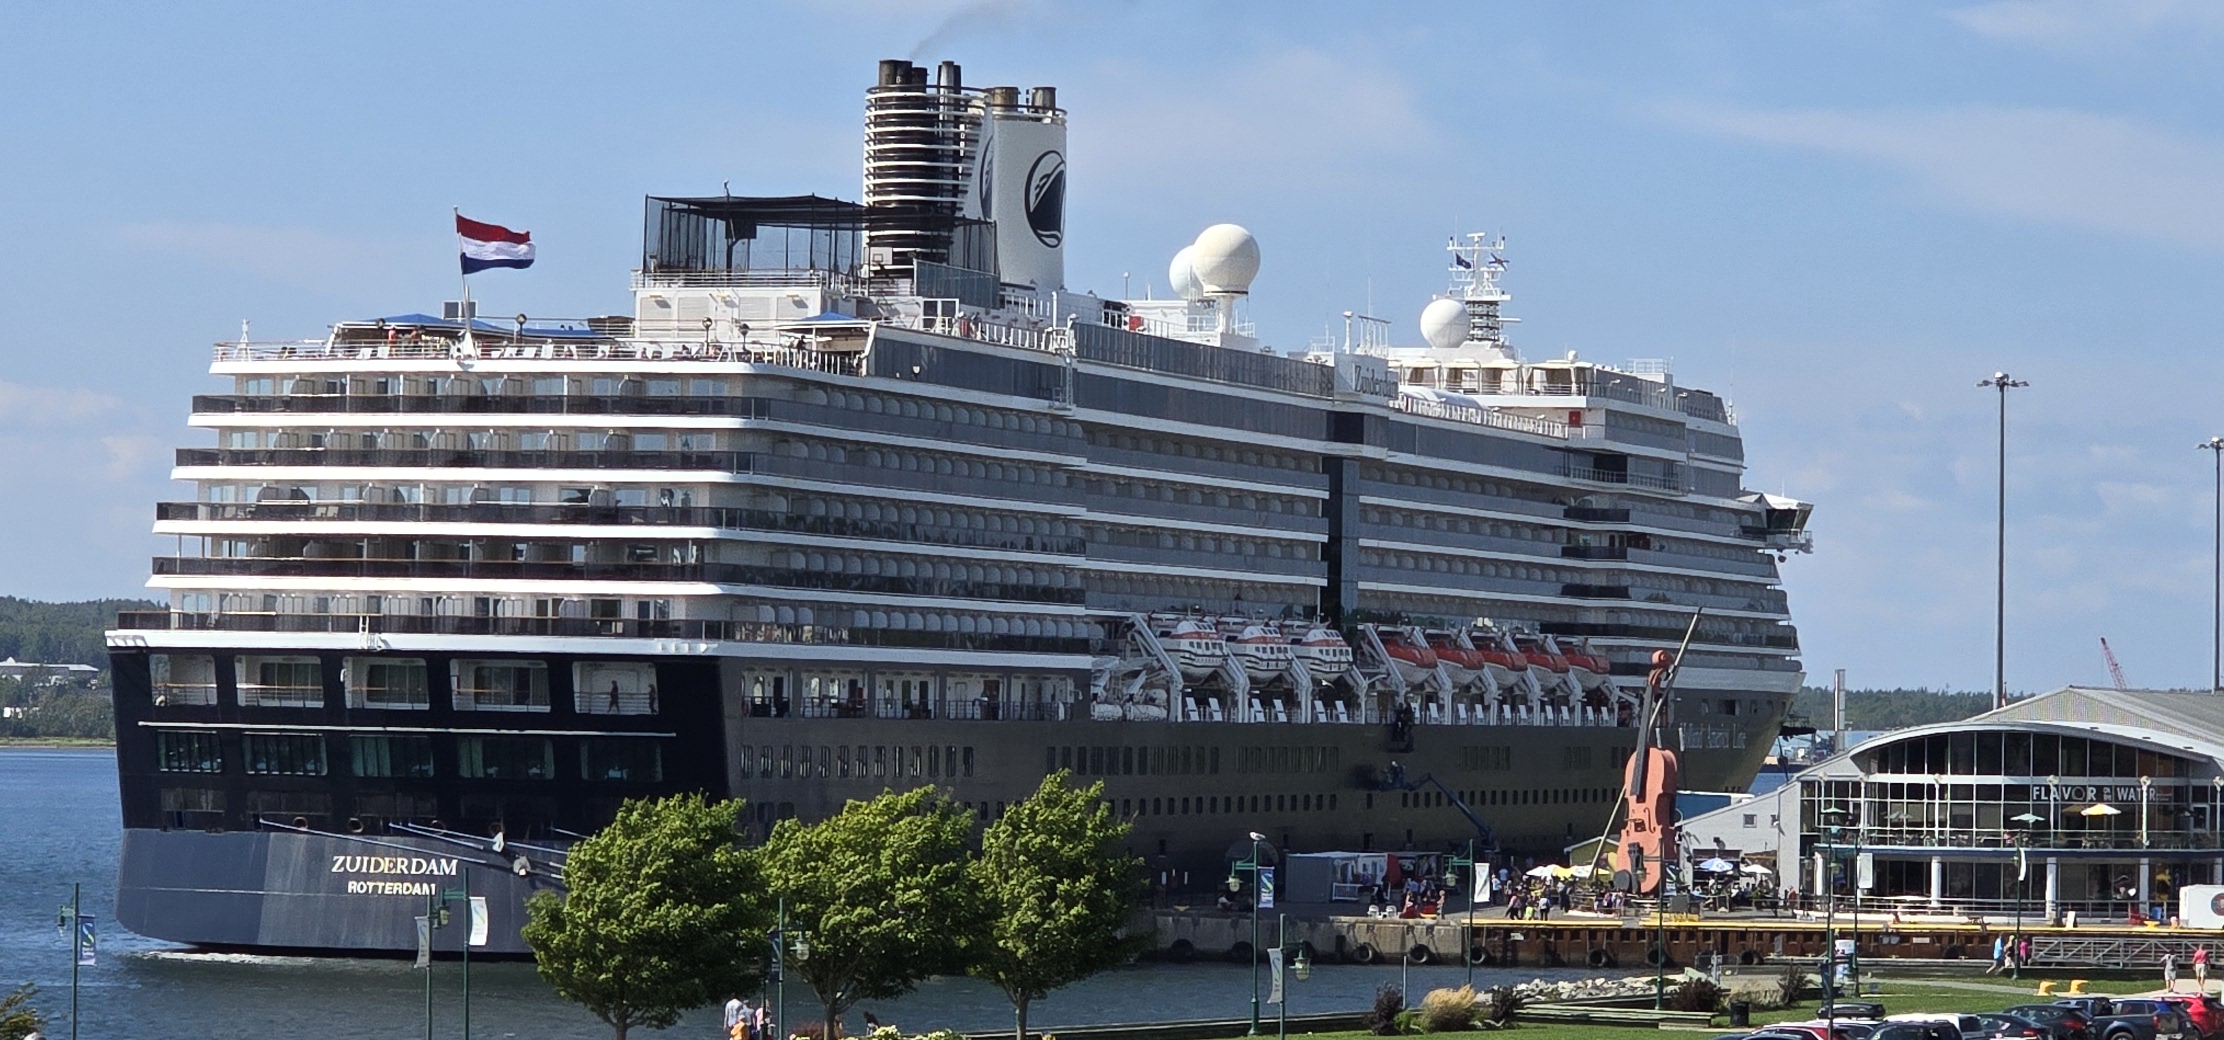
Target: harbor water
59,810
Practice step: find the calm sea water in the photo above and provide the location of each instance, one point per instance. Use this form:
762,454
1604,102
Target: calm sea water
58,813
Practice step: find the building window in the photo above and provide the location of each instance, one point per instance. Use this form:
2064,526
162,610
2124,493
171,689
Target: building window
280,682
505,758
387,682
188,753
285,754
391,756
614,688
622,759
499,685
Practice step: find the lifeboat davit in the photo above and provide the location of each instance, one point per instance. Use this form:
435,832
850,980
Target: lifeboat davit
1197,648
1256,646
1412,658
1459,662
1325,653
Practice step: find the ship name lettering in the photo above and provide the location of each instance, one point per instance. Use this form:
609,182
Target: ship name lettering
390,888
393,865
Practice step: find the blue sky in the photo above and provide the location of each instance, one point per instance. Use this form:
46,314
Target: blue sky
1842,215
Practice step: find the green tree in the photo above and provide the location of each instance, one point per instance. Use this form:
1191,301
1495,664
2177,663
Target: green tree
1059,885
881,888
18,1019
664,912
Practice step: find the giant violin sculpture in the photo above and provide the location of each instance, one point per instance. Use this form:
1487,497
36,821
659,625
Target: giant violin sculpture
1648,837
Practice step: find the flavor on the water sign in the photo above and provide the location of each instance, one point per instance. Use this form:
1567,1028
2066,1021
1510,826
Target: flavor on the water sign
391,866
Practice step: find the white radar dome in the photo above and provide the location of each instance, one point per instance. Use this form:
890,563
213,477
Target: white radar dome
1226,258
1182,273
1444,324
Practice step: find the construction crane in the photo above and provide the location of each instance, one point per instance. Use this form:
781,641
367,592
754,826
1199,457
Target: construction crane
2115,671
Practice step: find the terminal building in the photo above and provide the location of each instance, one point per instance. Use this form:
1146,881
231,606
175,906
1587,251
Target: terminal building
2101,801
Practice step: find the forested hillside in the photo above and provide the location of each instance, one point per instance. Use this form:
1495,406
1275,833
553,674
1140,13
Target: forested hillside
60,633
1890,709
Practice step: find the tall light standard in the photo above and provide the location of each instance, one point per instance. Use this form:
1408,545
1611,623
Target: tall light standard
2023,888
1235,884
2215,446
1301,966
2003,383
785,943
1451,883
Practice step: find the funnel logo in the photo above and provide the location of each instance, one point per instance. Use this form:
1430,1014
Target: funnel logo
1046,199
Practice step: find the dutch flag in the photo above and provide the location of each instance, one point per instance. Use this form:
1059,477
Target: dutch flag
492,245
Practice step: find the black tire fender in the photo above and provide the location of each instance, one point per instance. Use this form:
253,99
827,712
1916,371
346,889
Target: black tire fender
1421,954
1601,958
1364,954
1182,951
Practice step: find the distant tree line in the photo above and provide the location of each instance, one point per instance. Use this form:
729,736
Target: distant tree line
1890,709
61,633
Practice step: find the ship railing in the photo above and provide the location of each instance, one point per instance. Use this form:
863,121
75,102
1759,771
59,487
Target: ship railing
1481,416
258,696
967,709
184,694
842,283
469,698
616,628
1616,476
604,702
1000,333
771,348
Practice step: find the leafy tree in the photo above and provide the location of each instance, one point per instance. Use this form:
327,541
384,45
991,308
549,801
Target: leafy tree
1059,884
665,912
18,1019
881,888
1891,709
61,633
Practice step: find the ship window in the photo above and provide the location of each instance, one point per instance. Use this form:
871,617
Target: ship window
631,760
880,761
374,682
280,682
1215,764
285,754
614,688
968,762
934,761
1096,762
1065,759
188,753
499,685
182,678
505,758
391,756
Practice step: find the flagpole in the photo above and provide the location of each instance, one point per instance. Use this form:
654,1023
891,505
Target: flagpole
463,306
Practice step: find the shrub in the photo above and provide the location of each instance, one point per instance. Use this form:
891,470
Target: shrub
1696,995
1448,1010
811,1031
1382,1019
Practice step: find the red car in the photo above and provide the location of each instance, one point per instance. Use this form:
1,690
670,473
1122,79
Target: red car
2206,1013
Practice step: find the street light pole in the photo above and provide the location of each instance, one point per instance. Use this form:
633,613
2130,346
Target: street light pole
77,948
2001,382
1257,890
2215,446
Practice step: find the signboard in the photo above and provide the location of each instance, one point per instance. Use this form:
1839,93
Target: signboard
478,921
424,941
1841,967
1266,888
1865,869
1274,962
85,941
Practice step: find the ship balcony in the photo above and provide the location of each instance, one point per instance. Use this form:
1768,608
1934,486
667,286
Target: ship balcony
296,512
446,458
1590,514
1595,552
1594,475
511,570
698,630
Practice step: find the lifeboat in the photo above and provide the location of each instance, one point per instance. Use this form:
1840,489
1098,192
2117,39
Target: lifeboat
1459,662
1412,657
1539,654
1590,668
1256,646
1197,648
1505,666
1323,649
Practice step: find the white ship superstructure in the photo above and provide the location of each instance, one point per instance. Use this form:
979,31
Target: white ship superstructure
861,495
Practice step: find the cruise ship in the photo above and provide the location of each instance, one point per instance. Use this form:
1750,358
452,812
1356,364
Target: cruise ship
861,496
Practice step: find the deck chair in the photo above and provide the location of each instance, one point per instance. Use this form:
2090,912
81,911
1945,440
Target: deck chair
1212,708
1189,709
1343,713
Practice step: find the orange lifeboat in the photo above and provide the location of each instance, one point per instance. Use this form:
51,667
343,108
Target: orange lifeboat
1412,657
1461,663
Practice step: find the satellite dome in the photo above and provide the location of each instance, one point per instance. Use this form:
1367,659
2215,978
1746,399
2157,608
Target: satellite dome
1182,273
1226,258
1444,323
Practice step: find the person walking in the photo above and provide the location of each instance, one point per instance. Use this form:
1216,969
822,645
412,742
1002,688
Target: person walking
1999,955
2170,972
2201,968
737,1013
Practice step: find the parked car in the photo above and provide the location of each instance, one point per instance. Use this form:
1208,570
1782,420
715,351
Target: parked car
1904,1030
2001,1026
1966,1027
2066,1023
2132,1019
2205,1012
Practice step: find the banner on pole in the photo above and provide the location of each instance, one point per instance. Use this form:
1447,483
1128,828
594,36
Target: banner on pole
478,921
1266,888
86,935
1274,962
424,942
1865,870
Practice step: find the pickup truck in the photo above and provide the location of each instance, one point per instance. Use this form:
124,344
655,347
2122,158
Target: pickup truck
2131,1019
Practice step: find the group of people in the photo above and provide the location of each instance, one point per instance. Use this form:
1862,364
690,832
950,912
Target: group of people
747,1020
2170,970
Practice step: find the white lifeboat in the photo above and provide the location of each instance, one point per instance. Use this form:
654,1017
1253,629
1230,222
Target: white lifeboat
1325,653
1258,647
1197,648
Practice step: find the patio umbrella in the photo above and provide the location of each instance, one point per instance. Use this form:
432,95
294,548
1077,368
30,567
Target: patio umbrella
1540,872
2100,809
1717,865
1754,868
1581,870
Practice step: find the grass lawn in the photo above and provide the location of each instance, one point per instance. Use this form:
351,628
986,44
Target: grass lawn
1974,993
55,742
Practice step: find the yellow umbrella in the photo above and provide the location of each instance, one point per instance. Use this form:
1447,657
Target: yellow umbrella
2100,809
